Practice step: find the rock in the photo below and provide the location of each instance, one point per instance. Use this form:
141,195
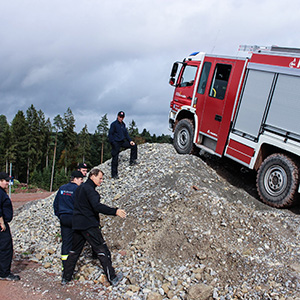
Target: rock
47,265
154,296
133,288
166,287
200,292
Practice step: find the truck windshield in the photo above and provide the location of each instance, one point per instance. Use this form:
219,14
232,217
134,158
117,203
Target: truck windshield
188,76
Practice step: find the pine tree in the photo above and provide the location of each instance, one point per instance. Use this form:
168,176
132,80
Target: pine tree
45,132
19,146
4,143
69,138
58,123
133,130
102,131
35,138
84,147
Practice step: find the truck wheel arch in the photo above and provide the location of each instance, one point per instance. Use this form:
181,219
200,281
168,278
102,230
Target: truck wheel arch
277,180
184,136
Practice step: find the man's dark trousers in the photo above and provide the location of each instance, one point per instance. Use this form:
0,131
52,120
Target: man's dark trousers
94,237
6,251
66,235
116,146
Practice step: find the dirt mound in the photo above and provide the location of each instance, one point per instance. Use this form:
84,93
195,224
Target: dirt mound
187,226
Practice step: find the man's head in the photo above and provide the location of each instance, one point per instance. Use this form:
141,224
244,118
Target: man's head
96,175
76,177
121,116
4,180
82,167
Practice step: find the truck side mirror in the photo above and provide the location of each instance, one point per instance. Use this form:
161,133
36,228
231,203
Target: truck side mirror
172,81
174,69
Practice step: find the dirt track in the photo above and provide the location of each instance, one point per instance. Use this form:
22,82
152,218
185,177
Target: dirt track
21,198
34,285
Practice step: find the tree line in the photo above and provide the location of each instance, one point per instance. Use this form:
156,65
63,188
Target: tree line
43,153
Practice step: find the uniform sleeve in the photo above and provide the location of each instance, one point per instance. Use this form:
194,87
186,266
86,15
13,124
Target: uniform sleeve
56,204
111,132
98,207
1,212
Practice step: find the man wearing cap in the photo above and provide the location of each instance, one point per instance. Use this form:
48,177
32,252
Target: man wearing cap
6,244
63,208
119,138
82,167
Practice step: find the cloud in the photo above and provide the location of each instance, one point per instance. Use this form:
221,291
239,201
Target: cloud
98,57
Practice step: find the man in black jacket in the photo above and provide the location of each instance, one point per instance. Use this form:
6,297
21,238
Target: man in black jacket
86,226
6,243
119,138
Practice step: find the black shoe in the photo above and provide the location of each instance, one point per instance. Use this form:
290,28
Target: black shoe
133,163
11,276
117,279
115,177
64,281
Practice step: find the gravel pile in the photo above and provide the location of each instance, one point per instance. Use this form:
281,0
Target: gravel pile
189,234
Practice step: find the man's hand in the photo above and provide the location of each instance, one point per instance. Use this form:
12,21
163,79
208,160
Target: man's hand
121,213
2,225
132,143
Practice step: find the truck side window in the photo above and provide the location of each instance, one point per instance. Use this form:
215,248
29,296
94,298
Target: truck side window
220,81
188,76
203,78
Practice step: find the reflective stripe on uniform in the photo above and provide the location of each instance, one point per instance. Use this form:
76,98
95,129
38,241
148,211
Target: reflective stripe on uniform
64,257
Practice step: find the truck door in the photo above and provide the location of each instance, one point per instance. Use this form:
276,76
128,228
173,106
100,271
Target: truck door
211,99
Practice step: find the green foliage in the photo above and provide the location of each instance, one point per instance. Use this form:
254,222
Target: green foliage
60,179
19,146
30,142
84,146
4,140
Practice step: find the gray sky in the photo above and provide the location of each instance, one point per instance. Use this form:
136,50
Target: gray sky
102,56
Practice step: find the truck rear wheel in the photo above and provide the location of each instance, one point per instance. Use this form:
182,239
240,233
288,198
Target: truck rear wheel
183,136
277,181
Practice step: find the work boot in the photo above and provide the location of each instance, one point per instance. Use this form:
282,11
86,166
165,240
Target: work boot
133,163
64,281
117,279
11,276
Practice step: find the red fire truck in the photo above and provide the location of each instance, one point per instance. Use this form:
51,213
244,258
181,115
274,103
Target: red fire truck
244,108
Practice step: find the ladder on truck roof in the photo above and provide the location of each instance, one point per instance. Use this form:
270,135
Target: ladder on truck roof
256,48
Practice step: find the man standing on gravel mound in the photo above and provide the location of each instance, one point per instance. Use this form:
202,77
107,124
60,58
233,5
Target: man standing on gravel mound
86,226
6,243
119,138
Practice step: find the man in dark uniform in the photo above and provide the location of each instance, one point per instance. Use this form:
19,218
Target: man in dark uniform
86,225
82,167
6,244
119,138
63,208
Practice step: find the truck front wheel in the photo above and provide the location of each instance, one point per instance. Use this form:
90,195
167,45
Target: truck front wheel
277,181
183,136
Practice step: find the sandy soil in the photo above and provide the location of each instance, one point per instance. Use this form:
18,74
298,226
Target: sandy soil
35,285
20,199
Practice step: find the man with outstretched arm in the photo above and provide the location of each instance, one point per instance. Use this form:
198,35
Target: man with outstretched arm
86,226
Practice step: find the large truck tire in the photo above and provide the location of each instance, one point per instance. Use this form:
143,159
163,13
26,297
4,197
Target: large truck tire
277,181
183,137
